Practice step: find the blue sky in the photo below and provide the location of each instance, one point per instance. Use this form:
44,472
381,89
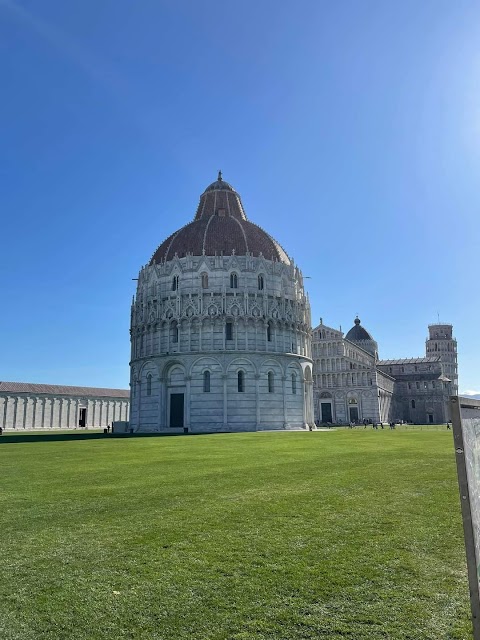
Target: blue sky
350,129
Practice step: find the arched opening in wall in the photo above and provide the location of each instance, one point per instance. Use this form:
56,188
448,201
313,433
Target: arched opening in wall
413,404
229,330
261,283
175,283
294,383
149,384
204,280
206,381
233,281
353,409
241,382
271,385
269,331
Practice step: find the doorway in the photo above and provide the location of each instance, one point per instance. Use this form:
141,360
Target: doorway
353,414
326,408
82,420
430,418
176,409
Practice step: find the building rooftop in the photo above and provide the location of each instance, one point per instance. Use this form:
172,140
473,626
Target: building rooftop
62,390
357,332
220,227
426,360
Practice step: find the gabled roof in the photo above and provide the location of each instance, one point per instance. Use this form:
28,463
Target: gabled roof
62,390
426,360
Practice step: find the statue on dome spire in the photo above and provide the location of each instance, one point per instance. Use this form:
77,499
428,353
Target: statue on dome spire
219,176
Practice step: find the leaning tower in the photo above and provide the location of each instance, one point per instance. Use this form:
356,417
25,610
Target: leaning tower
442,343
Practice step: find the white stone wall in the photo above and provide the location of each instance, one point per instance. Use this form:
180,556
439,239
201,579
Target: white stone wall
187,318
282,404
20,411
345,376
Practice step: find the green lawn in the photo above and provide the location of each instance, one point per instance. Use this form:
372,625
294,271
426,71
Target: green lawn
349,534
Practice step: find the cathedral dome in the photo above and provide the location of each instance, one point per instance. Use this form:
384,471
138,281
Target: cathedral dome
357,332
220,227
362,338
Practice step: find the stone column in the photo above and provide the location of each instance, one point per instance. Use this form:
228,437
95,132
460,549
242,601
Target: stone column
162,403
34,412
257,399
60,412
285,421
3,412
188,380
24,412
304,396
15,410
43,411
225,401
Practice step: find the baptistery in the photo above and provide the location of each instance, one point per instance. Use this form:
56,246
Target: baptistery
220,328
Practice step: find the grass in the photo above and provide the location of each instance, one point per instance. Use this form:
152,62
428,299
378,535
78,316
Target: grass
352,534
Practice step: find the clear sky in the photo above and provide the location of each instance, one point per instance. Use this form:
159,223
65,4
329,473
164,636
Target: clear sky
350,129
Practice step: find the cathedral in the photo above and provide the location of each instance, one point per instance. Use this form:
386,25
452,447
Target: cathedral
220,329
351,383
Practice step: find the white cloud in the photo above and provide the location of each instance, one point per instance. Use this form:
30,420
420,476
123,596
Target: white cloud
469,392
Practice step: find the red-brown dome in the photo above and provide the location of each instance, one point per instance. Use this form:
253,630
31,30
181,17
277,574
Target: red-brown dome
220,226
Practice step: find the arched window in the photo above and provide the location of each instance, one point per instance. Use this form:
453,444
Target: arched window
174,332
241,381
260,283
175,283
206,381
294,383
149,385
269,331
229,331
204,280
233,281
413,404
270,382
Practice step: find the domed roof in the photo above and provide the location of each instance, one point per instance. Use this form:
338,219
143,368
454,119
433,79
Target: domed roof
358,333
220,226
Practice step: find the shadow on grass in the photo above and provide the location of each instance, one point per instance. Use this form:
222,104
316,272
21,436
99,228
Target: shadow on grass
14,438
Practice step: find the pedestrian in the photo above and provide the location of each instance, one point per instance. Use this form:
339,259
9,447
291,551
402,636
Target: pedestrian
1,430
448,425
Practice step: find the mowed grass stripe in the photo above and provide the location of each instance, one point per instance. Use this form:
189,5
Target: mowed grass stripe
350,534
